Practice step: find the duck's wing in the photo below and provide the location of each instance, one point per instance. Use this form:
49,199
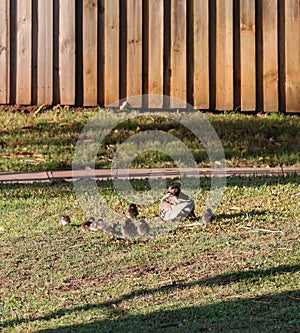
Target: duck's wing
166,205
173,207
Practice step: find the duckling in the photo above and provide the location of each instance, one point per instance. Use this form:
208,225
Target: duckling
86,225
129,230
112,229
176,204
143,228
208,216
96,225
132,211
64,220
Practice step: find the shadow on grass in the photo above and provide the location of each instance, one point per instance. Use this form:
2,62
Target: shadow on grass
270,140
242,214
270,313
278,310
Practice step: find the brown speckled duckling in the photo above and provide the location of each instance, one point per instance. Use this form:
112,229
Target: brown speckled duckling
143,228
129,230
132,212
64,220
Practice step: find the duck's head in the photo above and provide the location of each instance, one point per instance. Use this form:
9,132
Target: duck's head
174,190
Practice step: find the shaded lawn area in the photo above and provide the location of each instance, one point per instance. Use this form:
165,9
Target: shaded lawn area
222,278
46,141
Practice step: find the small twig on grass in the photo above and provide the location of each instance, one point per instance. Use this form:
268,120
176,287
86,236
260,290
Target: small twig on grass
296,298
197,224
177,324
261,302
166,283
262,230
76,245
61,239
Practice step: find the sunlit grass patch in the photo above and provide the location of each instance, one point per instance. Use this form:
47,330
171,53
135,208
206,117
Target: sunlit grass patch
219,278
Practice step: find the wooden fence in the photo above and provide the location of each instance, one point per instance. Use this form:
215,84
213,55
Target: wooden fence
214,54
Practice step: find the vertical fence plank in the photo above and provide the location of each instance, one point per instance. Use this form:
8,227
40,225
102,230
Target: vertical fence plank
156,47
134,50
201,54
270,56
67,51
224,55
45,53
89,41
178,51
4,51
111,51
292,54
24,52
248,68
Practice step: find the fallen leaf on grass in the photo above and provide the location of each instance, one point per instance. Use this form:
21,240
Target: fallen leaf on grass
241,164
66,125
22,153
30,127
40,109
13,144
234,208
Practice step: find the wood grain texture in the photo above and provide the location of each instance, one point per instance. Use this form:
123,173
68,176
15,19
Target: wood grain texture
224,55
156,48
248,62
292,55
161,47
24,52
45,53
270,56
67,51
134,51
90,54
4,51
201,54
178,86
111,51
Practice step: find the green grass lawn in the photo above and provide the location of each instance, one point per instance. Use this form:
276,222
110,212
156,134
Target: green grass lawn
222,278
46,141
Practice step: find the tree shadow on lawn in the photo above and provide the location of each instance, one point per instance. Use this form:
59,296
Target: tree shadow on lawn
242,138
281,311
243,214
270,313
